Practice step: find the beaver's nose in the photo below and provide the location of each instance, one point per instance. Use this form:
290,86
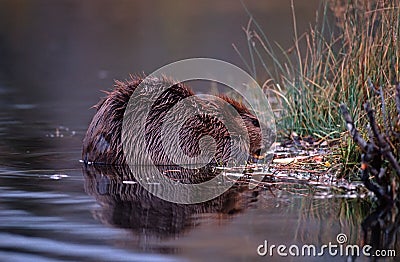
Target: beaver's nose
260,151
257,155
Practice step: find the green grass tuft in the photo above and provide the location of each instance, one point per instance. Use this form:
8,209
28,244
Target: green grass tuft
352,50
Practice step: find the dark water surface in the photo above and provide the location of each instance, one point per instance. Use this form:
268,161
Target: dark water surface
55,57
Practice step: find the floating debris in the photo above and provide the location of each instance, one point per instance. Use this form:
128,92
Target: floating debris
58,176
129,182
61,131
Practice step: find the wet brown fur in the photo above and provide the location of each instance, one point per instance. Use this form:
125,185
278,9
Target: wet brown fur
102,143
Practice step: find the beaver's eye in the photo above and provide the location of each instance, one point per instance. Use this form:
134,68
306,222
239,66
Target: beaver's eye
255,122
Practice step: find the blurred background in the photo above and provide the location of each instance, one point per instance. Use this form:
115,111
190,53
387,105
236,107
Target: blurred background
56,56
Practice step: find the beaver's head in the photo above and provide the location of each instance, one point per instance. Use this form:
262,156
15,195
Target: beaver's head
257,142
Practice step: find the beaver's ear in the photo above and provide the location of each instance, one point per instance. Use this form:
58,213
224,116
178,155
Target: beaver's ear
228,109
237,104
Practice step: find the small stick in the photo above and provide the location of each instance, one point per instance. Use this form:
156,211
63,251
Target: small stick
398,101
383,145
370,153
352,129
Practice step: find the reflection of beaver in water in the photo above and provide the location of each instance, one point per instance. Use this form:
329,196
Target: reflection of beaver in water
102,143
130,206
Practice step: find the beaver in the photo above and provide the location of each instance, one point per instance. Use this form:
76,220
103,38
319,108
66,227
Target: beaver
103,144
